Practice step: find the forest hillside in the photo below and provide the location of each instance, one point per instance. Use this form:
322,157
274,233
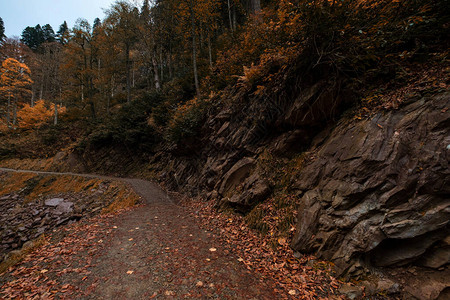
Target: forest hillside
323,124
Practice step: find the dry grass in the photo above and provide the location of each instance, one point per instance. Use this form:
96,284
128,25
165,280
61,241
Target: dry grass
123,196
14,182
16,257
117,195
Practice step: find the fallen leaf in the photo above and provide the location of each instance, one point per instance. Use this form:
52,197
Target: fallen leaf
169,293
44,271
282,241
199,284
130,272
292,292
212,249
130,239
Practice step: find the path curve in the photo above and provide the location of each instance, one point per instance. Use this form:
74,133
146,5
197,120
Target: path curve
155,250
149,191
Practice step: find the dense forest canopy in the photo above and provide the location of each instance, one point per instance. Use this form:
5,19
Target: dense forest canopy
166,52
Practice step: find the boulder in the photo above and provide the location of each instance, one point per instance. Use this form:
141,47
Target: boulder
254,190
54,202
351,292
236,175
378,190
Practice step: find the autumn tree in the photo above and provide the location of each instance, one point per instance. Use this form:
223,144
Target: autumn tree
14,48
122,22
15,82
78,65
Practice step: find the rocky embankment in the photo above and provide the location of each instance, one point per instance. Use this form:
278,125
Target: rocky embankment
373,198
32,205
377,195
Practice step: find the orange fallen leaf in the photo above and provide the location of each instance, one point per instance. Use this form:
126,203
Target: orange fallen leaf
130,272
212,249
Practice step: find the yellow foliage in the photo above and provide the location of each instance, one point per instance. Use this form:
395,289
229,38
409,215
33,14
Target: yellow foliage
36,116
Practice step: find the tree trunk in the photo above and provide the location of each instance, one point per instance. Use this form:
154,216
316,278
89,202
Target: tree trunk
14,113
41,92
194,49
234,18
33,95
132,67
210,51
8,113
55,121
155,72
255,7
93,113
161,65
230,17
169,62
127,59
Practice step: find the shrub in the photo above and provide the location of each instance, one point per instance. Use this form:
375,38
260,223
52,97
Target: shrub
359,40
186,120
128,127
36,116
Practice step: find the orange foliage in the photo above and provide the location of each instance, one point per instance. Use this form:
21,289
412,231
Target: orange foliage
36,116
14,78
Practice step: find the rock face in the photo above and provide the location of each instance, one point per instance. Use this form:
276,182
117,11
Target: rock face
378,193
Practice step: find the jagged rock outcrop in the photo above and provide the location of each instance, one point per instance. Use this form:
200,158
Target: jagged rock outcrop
377,195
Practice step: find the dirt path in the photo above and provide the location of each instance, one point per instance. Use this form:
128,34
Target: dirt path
155,250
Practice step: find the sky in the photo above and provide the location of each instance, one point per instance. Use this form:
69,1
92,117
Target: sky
18,14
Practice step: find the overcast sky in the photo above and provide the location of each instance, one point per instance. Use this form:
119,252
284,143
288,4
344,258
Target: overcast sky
18,14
